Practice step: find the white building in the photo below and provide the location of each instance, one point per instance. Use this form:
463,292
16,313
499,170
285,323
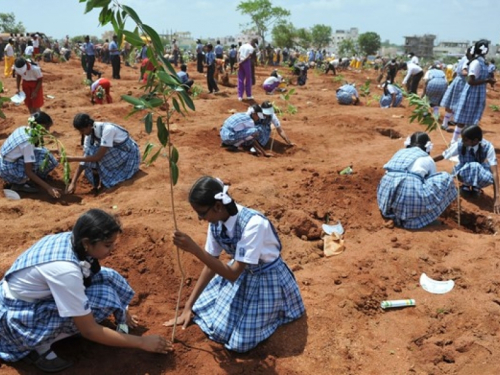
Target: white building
341,35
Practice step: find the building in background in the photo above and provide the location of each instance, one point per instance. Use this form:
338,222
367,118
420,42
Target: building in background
421,46
341,35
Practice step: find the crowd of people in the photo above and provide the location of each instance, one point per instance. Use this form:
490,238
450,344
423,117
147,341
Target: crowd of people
58,282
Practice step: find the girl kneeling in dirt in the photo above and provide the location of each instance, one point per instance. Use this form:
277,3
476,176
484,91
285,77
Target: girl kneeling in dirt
477,167
22,162
412,193
347,94
264,125
110,156
100,90
241,303
57,289
392,97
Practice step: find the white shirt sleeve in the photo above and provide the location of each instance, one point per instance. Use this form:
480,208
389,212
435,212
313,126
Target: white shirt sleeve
423,166
491,156
474,68
451,151
111,134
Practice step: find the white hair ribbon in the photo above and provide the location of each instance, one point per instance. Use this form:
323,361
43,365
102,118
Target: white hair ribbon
85,266
223,196
428,147
408,141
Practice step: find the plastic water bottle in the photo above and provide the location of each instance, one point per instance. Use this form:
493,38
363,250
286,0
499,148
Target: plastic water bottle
347,170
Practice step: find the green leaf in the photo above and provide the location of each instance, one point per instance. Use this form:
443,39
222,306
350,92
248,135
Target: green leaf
2,115
162,132
133,38
155,38
176,105
154,157
148,122
155,102
174,172
175,155
147,151
132,14
133,100
167,78
187,99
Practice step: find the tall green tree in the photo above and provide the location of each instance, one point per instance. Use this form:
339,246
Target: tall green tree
263,15
369,43
8,24
321,36
284,35
304,38
347,47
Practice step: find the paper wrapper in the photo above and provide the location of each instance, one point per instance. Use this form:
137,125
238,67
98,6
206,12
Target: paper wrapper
333,245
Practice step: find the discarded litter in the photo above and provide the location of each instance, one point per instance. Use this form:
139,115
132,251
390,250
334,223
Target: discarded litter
115,207
333,245
435,286
50,96
11,194
347,170
329,229
397,116
18,98
397,303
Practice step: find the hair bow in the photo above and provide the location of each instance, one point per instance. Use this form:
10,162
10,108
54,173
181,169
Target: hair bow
85,266
407,141
223,196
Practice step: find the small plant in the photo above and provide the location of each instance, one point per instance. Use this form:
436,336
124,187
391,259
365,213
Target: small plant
196,90
338,78
494,107
37,136
365,90
291,109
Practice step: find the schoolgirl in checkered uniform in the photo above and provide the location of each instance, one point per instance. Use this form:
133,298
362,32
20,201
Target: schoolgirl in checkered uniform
22,161
240,130
264,125
392,96
477,167
347,94
243,302
111,156
412,193
470,106
435,86
454,90
57,288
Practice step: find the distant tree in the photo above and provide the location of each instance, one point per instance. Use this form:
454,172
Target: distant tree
80,39
321,36
263,15
347,47
304,38
284,35
369,43
8,24
108,35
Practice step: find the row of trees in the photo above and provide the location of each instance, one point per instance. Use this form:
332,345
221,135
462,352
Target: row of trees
265,17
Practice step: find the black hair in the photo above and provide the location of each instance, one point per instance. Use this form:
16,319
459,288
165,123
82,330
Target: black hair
209,46
183,67
274,73
82,120
42,118
96,226
256,108
20,62
403,66
385,87
419,139
203,193
481,47
266,104
218,42
472,133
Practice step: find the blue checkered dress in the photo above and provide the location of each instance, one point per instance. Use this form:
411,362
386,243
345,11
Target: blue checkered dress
454,90
407,198
264,128
472,102
474,170
436,86
13,171
119,163
386,99
243,313
345,94
229,136
27,325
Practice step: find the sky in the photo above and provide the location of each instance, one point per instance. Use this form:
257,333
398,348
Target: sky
449,20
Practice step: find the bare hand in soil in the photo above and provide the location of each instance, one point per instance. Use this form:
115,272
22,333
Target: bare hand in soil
54,193
156,344
183,319
132,320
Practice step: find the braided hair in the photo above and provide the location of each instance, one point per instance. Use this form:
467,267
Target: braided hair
419,139
203,193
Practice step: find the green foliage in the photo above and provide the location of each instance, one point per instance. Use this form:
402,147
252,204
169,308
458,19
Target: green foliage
365,89
8,24
369,43
196,90
40,136
304,38
338,78
321,36
290,108
347,47
284,35
263,15
423,112
494,107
